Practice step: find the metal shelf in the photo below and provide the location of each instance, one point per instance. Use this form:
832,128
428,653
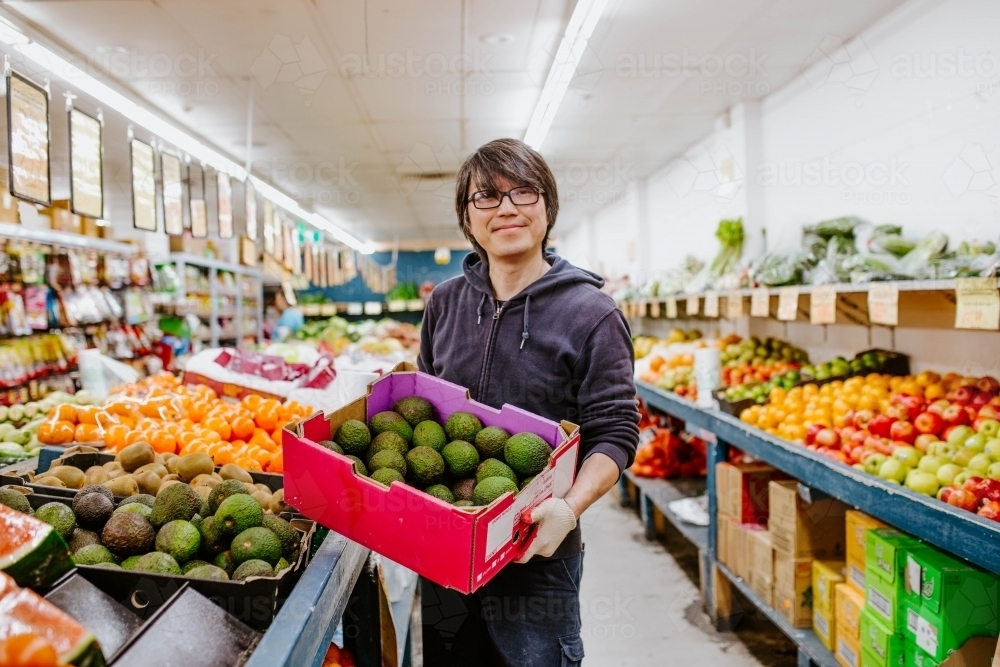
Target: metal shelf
956,531
805,639
660,493
69,239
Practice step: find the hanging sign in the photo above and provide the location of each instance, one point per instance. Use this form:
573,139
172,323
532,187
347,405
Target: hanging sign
143,186
711,304
883,304
224,197
86,167
823,304
788,303
760,302
734,305
28,140
977,304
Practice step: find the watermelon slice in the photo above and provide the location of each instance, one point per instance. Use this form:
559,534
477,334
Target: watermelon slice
23,611
31,551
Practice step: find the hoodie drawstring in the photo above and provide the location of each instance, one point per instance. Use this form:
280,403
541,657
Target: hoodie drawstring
524,334
479,311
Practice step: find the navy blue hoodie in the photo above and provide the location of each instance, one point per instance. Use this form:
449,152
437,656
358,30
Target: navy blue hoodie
560,349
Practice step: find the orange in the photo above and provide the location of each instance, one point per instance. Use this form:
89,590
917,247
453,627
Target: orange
223,456
163,442
252,401
120,407
185,437
277,464
27,650
45,434
219,425
243,427
64,412
114,436
88,433
237,444
249,464
209,435
198,410
63,431
267,417
87,414
133,437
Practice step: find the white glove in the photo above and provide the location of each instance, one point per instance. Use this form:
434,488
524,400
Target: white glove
555,519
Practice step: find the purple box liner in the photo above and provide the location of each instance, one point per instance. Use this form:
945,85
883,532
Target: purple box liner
447,398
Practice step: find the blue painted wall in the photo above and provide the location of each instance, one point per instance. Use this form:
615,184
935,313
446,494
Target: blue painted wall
415,267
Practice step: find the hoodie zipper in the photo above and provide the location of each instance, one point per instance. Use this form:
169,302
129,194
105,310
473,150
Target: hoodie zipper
488,359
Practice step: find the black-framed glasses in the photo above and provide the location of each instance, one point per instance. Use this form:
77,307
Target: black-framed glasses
523,195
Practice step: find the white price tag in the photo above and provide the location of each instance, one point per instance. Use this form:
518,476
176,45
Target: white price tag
692,304
823,304
788,303
711,304
671,308
883,304
913,575
654,308
760,302
977,304
734,305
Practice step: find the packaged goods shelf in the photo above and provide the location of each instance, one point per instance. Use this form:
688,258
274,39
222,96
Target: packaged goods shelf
51,237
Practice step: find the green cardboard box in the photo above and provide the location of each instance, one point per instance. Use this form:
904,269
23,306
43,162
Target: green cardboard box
885,552
880,643
884,599
944,585
868,659
937,635
917,658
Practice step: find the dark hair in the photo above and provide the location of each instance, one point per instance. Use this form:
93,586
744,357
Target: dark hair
514,161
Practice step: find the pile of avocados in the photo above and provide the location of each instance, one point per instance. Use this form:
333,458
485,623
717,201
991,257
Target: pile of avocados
223,532
459,461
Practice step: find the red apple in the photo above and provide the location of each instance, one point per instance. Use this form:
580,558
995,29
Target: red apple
899,412
963,499
980,398
971,412
861,418
990,510
928,422
963,395
860,437
988,384
938,406
811,433
988,411
924,441
857,454
880,425
985,489
846,433
827,437
903,431
914,404
955,415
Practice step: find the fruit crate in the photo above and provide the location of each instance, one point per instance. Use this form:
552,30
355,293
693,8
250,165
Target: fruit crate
732,407
456,547
255,601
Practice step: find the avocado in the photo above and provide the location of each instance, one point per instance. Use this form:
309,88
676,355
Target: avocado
15,500
426,465
143,498
463,488
224,561
441,492
359,465
288,536
58,516
81,537
527,453
179,539
492,488
157,562
191,564
391,421
494,468
331,445
256,544
429,434
213,541
238,513
525,482
92,488
387,476
414,409
127,534
129,563
490,442
109,566
230,487
177,501
463,426
253,568
208,572
460,457
93,510
135,508
464,503
282,565
388,459
92,554
388,441
353,437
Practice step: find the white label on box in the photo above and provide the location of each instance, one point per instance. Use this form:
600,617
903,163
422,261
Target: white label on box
500,530
880,603
913,575
927,636
821,624
911,621
846,653
857,576
565,466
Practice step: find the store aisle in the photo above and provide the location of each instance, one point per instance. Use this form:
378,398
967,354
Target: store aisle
639,607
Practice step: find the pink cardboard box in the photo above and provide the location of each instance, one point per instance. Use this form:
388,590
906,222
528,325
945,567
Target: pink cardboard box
455,547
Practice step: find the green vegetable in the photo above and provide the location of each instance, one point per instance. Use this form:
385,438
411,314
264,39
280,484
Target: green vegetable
730,235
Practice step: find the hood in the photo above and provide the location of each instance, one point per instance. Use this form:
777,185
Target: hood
478,274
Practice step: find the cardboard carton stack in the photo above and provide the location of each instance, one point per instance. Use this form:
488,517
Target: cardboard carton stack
826,576
849,603
858,524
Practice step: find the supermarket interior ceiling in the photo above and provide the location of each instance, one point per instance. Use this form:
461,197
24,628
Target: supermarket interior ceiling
361,116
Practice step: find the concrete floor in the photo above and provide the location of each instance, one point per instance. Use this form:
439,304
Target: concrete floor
641,605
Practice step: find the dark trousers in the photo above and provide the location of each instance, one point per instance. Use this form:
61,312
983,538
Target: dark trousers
527,615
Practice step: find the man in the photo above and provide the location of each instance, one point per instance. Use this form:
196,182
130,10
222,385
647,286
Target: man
527,328
290,319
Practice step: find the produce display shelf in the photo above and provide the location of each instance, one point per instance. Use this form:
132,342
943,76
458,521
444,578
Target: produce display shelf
303,629
956,531
660,493
806,640
51,237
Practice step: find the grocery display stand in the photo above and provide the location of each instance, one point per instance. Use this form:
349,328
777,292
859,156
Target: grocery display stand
956,531
215,293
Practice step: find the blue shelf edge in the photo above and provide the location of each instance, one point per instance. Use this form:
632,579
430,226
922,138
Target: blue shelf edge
804,638
304,627
956,531
663,491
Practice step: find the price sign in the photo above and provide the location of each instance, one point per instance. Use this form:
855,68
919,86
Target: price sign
734,305
823,305
654,308
640,308
692,304
788,303
760,302
671,308
883,304
978,304
711,304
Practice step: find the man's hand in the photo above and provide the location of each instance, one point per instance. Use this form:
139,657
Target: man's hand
555,519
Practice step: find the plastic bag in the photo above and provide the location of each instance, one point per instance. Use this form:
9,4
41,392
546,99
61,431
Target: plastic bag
917,262
776,270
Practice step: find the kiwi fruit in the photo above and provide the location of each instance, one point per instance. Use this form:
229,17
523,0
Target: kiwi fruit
171,464
262,497
205,480
233,471
111,466
166,456
202,490
95,475
124,485
251,488
72,477
50,480
158,468
278,504
148,481
264,487
136,455
118,472
192,465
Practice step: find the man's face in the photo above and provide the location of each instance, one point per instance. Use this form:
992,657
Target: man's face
508,230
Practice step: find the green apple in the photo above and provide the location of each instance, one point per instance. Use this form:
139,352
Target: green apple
930,464
979,464
963,456
993,448
976,442
874,462
909,456
946,473
942,449
961,477
922,482
993,472
989,427
893,470
959,435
